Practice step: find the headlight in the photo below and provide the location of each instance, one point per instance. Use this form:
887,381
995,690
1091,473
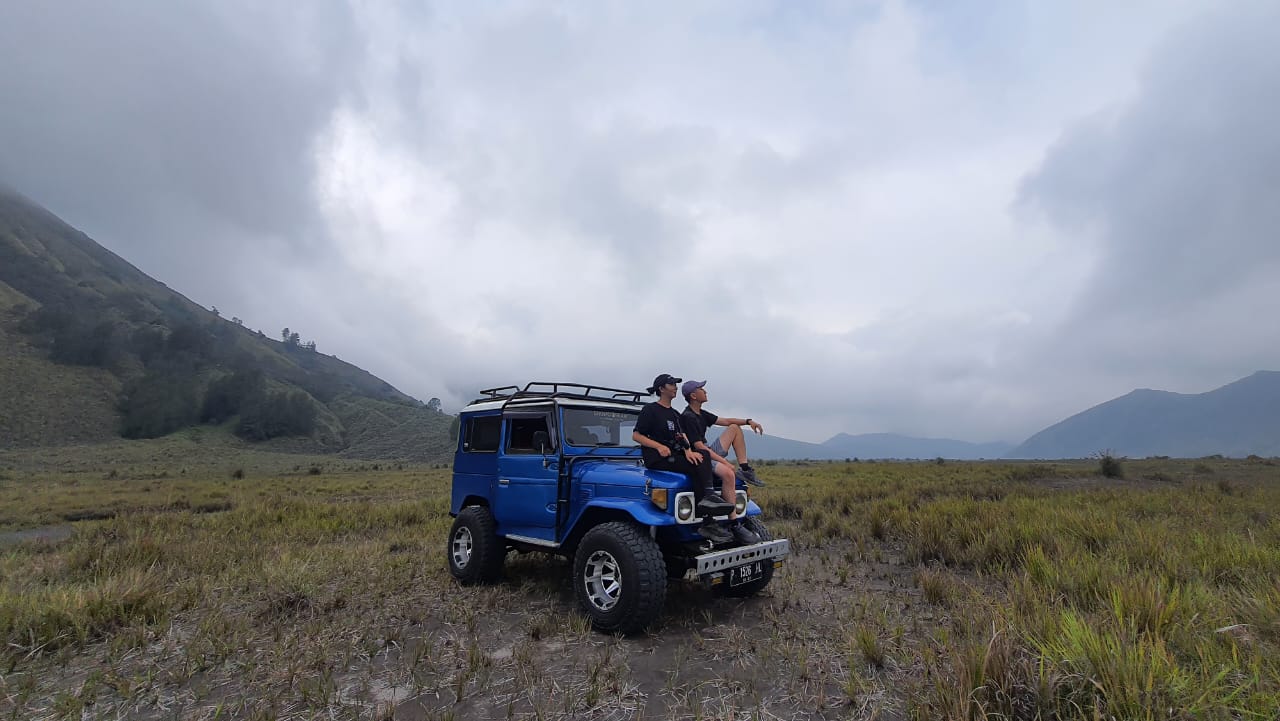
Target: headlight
659,497
684,507
740,502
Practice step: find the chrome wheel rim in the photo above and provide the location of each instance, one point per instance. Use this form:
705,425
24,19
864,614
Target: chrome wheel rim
603,580
461,547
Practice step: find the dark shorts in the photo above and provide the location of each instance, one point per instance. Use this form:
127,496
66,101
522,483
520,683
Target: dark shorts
717,449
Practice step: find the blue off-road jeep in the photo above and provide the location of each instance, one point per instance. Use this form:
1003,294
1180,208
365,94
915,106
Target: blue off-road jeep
552,467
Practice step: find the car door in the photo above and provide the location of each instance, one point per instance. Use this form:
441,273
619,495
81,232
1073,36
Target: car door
525,495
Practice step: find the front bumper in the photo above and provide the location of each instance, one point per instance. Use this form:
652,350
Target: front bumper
717,561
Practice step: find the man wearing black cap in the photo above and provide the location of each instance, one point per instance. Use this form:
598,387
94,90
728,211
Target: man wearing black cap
665,447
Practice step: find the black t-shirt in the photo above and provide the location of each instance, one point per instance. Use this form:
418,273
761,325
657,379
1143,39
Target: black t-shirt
658,423
696,424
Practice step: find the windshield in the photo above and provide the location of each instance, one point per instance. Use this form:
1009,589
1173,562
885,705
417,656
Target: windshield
598,427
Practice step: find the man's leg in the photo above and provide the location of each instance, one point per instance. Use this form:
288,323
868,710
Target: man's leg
728,482
699,474
707,502
734,438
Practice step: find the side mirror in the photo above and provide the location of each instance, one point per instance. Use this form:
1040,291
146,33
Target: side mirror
541,441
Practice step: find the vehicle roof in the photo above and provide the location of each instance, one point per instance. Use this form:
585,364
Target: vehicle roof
487,405
540,394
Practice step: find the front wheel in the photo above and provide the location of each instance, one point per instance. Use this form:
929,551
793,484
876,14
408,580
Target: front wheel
475,552
619,577
751,588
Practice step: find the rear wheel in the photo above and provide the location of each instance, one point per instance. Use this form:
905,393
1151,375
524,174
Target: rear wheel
619,577
751,588
475,552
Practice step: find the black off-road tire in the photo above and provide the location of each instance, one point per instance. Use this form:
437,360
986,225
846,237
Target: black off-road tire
619,577
750,589
474,550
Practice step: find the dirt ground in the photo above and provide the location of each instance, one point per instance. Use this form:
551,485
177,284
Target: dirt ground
522,649
848,629
784,654
50,534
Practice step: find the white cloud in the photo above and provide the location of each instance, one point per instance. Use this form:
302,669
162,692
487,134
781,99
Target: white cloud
824,208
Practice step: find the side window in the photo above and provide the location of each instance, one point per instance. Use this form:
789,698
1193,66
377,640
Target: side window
481,435
520,433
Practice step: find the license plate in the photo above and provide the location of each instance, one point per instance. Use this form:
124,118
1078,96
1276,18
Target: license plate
746,574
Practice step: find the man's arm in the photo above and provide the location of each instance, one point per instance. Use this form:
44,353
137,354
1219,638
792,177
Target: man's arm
722,421
648,442
690,455
646,423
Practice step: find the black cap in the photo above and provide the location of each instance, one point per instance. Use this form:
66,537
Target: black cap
663,380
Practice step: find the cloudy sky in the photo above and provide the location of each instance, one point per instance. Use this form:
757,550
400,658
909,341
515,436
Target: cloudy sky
966,220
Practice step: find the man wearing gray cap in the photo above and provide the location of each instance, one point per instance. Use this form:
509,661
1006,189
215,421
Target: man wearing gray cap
697,420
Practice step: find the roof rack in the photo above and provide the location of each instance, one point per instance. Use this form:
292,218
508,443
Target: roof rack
538,391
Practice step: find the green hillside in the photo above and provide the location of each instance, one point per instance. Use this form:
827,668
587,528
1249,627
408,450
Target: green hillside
91,348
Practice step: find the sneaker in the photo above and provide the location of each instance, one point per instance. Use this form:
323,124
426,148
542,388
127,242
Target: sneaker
715,533
713,505
748,475
745,535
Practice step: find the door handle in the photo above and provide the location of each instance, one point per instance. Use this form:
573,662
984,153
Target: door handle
504,482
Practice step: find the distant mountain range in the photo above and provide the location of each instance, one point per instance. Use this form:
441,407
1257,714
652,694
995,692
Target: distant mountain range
1238,419
872,445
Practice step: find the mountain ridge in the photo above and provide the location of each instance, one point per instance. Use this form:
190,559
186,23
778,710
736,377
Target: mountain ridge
1240,418
871,446
94,348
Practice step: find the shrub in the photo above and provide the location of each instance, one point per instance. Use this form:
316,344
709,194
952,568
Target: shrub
1109,464
148,342
48,317
227,395
85,345
191,339
868,645
271,415
158,404
935,584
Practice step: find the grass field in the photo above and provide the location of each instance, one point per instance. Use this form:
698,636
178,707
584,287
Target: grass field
227,583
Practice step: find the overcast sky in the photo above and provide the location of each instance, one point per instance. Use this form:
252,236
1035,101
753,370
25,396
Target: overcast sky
964,220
